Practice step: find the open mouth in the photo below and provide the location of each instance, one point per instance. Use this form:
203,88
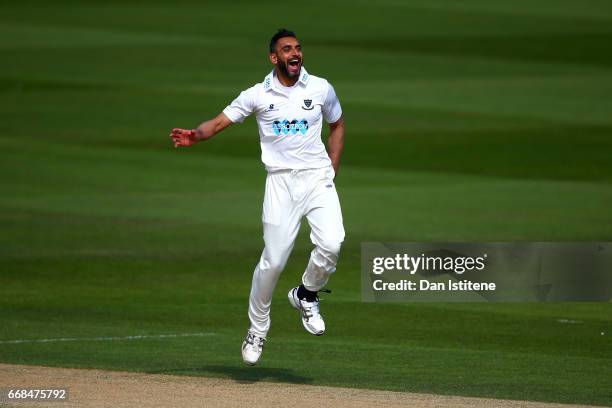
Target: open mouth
294,64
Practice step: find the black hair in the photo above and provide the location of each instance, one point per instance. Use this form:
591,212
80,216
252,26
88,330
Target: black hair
281,33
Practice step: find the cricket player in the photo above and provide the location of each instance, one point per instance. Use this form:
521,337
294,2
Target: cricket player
290,106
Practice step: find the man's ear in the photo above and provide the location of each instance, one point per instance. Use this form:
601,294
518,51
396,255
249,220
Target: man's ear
273,58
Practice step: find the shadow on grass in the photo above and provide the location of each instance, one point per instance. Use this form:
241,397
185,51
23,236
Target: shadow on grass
246,375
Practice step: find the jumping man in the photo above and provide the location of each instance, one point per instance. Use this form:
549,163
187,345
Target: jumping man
290,105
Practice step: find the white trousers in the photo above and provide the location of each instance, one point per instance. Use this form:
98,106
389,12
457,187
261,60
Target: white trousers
291,195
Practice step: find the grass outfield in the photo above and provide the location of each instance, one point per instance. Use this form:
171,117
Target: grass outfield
466,121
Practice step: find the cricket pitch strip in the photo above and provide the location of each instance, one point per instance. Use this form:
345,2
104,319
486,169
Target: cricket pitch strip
99,388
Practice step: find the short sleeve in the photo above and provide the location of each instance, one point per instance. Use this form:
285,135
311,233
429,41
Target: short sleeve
331,108
241,107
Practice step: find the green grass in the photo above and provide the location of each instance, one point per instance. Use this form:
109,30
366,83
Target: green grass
466,121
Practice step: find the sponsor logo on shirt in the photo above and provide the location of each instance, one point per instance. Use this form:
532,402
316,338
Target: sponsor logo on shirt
293,127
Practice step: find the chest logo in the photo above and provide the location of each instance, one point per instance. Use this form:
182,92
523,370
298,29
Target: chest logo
307,104
271,108
286,127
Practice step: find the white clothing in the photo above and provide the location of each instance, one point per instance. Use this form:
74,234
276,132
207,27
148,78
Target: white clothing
289,196
289,122
299,182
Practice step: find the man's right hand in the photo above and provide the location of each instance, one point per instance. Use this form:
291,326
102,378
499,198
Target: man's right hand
184,137
188,137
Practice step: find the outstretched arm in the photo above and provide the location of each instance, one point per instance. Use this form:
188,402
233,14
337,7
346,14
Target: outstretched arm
188,137
335,142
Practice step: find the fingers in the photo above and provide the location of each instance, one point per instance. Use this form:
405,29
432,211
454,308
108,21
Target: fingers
182,137
178,137
177,133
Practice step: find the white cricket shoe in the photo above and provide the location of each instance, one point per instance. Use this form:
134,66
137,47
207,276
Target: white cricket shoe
311,318
252,347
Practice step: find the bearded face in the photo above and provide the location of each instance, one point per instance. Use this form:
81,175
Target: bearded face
288,57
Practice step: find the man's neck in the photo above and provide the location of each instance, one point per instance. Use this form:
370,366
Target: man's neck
285,80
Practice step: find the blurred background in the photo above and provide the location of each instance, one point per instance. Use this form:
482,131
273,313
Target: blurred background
469,121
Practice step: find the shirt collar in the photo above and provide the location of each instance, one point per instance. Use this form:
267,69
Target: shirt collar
304,76
268,82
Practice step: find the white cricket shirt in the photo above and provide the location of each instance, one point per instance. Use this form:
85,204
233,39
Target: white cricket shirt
289,120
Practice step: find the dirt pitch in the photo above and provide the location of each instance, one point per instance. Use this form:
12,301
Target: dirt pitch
98,388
